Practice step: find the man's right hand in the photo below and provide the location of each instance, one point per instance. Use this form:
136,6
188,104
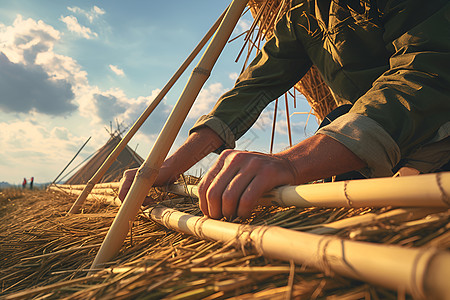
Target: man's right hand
125,183
165,176
199,144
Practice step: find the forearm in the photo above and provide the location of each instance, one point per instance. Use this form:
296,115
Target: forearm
320,157
198,145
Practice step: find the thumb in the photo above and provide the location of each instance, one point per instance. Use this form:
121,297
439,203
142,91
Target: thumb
125,183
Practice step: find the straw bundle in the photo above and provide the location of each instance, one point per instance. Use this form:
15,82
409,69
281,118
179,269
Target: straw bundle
312,86
46,254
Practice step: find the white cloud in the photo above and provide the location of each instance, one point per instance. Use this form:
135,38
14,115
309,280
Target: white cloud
26,39
35,82
243,25
91,15
206,99
117,70
73,26
233,76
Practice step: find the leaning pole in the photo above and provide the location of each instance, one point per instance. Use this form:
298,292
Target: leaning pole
122,144
148,172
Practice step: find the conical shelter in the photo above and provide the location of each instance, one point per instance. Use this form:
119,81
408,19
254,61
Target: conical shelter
126,160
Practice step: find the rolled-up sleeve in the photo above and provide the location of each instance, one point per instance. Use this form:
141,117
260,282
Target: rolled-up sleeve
408,106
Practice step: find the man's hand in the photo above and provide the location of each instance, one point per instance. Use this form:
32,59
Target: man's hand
166,176
232,187
198,145
125,183
238,179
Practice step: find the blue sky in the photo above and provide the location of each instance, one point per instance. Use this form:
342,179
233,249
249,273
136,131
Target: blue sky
68,68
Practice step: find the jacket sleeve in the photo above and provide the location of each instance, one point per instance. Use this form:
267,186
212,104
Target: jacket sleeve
408,107
280,64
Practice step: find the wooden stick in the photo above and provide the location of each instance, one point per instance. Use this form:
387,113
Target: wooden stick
76,154
122,144
288,119
428,190
273,126
421,272
148,172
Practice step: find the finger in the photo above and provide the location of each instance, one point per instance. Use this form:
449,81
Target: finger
125,183
232,193
207,179
219,184
254,191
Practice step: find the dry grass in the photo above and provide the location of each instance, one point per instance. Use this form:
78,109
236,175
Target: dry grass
44,254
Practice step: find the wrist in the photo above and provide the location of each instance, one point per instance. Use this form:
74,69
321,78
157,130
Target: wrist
290,167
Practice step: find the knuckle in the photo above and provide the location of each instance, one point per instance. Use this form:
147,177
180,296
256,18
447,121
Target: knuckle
229,196
212,195
255,163
226,152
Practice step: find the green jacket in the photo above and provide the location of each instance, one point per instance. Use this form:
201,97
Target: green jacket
391,59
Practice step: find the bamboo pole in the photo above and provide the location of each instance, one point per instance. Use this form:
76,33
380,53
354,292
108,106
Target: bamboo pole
428,190
148,172
421,272
108,197
288,119
76,154
122,144
273,126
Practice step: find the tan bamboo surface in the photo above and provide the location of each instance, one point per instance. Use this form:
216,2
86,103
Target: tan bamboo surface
148,172
111,158
108,196
428,190
45,254
418,271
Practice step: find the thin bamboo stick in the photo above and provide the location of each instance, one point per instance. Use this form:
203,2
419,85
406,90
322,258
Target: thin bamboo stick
288,119
107,197
428,190
421,272
273,126
68,164
112,185
122,144
148,172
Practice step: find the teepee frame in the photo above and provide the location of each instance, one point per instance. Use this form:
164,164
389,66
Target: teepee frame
123,143
148,172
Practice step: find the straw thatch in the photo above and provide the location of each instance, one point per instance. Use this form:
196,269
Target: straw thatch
312,86
127,159
44,254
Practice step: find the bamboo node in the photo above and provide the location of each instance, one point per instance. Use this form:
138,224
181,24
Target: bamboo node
165,219
202,71
421,262
198,227
445,197
323,263
347,197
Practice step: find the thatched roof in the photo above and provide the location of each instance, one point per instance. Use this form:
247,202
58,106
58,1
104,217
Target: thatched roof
127,159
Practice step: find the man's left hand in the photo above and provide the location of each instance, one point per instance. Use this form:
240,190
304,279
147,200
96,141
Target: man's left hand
232,187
